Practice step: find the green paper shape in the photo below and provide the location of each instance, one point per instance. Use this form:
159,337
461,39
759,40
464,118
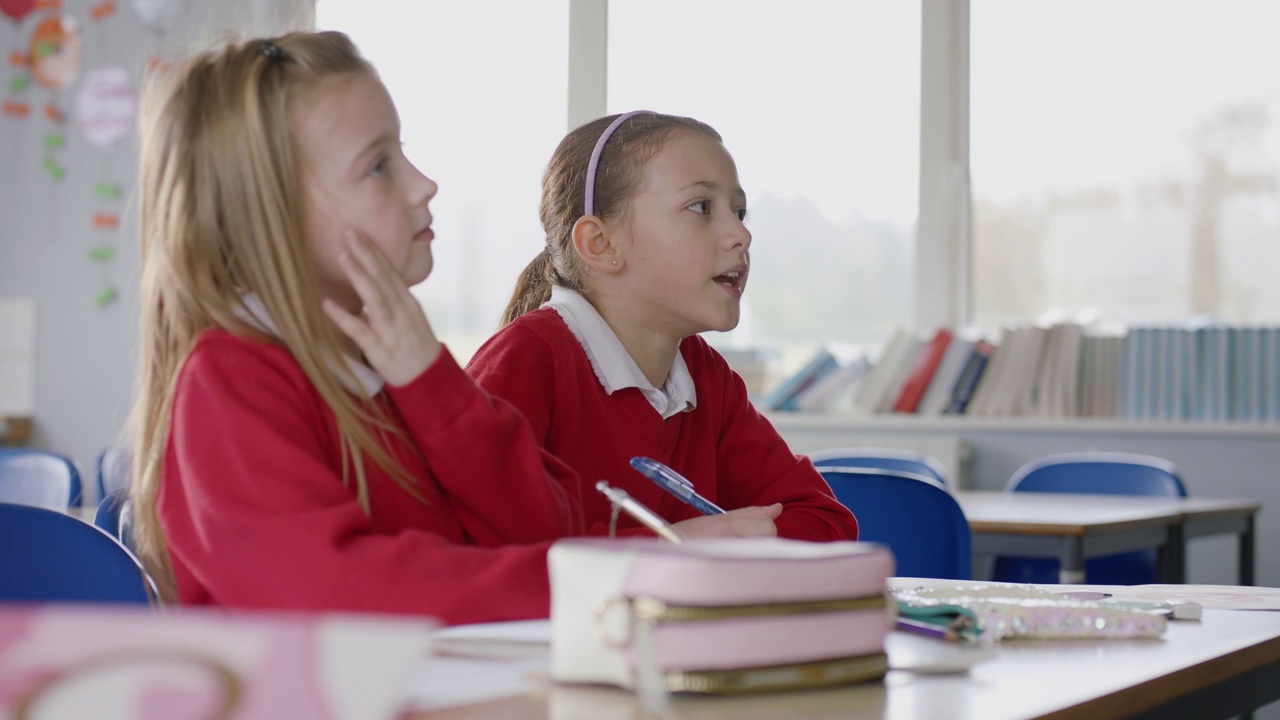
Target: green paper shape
18,83
107,191
55,171
54,141
102,253
105,296
46,48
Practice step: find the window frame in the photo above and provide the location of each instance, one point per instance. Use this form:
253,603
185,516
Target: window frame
944,227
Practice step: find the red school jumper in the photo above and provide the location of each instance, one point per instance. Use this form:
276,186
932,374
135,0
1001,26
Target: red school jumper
730,452
256,513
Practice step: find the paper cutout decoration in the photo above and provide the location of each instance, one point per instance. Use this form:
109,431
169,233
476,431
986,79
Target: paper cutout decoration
160,15
106,9
51,166
105,296
17,9
102,253
16,109
56,52
105,105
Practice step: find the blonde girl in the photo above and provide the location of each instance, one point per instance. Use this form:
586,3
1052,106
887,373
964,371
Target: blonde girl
645,248
302,438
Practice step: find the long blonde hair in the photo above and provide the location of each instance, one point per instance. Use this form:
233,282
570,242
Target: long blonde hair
618,175
221,207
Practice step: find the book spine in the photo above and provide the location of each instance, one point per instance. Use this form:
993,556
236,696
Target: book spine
970,376
918,380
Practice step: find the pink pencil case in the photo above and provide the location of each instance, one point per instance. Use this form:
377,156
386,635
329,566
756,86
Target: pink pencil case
718,615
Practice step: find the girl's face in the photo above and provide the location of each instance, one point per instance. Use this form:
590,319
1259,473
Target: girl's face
684,241
357,177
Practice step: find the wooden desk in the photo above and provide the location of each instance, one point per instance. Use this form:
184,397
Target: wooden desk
1225,665
1074,527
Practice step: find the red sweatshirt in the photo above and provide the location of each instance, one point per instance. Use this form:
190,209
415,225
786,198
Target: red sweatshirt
256,514
730,451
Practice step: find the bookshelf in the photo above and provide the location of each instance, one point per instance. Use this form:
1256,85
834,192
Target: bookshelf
902,423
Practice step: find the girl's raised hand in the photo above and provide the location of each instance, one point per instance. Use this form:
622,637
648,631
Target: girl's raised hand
755,521
392,332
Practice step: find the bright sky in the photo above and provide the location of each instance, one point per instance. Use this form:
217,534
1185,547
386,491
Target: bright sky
1088,92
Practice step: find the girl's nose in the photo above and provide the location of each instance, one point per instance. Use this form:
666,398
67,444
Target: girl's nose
423,187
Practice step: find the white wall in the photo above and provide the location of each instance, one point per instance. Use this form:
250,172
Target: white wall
85,353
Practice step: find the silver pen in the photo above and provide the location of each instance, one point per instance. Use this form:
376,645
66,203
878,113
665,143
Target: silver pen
642,514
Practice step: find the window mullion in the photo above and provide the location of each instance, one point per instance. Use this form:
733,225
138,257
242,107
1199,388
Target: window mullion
588,60
944,224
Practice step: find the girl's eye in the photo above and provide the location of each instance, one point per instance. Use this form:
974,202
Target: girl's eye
702,207
742,215
379,168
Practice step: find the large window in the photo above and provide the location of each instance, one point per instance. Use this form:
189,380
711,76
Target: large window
482,89
1123,154
819,103
1124,157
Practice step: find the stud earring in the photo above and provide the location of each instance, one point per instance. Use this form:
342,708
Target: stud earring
613,262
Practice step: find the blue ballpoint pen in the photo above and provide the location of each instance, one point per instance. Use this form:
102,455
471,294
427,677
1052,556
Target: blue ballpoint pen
674,483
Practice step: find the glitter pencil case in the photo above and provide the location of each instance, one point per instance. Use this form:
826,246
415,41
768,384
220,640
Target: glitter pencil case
718,615
997,612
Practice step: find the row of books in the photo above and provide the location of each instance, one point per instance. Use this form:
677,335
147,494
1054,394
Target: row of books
1195,371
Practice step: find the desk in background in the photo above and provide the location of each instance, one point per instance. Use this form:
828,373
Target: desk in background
1073,527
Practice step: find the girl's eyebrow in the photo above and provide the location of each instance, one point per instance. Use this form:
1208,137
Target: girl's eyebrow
708,184
711,185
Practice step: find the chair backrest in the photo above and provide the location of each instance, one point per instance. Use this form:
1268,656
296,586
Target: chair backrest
113,468
38,477
882,457
914,515
48,556
115,517
1105,473
1099,473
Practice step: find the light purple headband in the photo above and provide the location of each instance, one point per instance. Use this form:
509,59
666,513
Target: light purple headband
589,205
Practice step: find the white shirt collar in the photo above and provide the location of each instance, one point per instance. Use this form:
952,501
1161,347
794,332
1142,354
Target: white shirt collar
253,311
613,365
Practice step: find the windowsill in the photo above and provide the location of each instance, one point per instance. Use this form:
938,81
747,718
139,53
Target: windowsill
913,423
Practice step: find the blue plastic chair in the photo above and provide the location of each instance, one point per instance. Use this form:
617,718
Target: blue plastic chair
39,477
914,515
48,556
112,469
115,517
885,458
1099,473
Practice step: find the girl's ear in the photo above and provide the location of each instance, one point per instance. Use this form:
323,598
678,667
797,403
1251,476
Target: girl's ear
592,239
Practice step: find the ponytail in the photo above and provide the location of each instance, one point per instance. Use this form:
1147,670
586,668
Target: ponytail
533,288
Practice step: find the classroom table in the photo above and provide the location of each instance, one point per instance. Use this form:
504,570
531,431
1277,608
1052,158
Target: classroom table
1224,665
1075,527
